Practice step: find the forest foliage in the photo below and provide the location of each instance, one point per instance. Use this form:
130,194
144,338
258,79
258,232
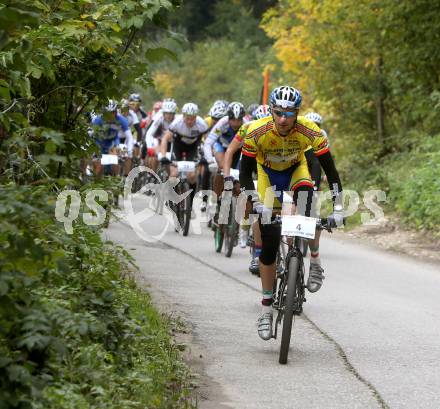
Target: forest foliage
75,332
367,67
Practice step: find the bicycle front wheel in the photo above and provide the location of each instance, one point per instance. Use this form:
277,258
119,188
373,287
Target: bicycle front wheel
186,211
293,268
231,230
218,239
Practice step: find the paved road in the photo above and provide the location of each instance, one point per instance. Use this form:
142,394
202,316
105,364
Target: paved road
370,338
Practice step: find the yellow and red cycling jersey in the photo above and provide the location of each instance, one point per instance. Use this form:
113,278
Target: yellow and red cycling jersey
277,152
242,132
282,157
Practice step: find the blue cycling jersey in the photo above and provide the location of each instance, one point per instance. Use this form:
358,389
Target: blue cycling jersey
227,137
109,136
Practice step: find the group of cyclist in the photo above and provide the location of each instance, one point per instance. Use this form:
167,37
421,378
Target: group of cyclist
273,147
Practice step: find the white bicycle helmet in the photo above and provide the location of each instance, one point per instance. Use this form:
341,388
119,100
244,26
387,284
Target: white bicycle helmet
285,97
135,98
190,109
169,106
316,118
112,105
261,112
251,109
236,110
218,110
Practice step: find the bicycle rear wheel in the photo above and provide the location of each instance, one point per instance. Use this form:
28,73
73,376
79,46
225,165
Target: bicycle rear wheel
293,271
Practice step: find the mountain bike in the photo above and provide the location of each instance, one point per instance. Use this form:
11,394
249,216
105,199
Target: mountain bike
225,225
158,200
289,285
183,209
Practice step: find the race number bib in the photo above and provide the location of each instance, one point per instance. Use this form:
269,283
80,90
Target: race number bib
300,226
186,166
109,159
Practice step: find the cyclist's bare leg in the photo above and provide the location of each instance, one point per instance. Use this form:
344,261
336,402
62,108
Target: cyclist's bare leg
220,159
115,170
257,235
314,245
173,171
136,152
98,169
127,166
192,178
218,184
267,275
154,163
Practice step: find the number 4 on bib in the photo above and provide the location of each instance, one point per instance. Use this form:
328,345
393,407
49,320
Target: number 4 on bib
300,226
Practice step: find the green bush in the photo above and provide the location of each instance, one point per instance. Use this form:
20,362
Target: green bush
73,332
411,180
414,185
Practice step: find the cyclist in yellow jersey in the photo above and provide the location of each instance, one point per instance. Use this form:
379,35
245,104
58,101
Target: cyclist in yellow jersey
277,145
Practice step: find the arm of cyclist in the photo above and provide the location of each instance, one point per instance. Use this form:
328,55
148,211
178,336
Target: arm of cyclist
168,137
246,167
336,219
334,181
129,141
321,149
233,147
314,167
149,136
207,147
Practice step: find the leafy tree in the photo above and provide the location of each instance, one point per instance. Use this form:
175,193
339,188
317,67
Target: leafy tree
235,21
192,18
58,59
367,68
219,73
74,333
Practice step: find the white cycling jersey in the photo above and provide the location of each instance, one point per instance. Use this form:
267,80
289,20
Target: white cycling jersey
132,118
184,133
220,132
159,125
126,137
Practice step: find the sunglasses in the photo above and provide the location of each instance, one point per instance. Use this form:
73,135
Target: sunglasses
286,114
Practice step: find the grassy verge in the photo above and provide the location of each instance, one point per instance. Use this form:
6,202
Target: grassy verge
74,331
